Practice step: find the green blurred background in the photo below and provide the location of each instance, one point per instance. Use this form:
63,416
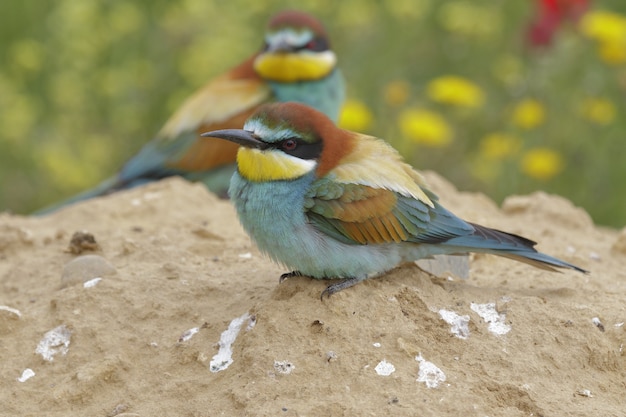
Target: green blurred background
459,87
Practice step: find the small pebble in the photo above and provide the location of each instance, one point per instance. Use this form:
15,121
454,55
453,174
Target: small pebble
82,241
85,268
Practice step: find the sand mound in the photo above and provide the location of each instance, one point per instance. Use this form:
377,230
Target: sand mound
177,275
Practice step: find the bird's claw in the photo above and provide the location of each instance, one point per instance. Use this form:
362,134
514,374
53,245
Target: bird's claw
289,275
341,285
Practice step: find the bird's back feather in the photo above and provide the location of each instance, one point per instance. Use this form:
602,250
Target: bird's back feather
372,197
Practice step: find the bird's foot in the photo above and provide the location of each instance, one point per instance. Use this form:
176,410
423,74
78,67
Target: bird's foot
289,275
341,285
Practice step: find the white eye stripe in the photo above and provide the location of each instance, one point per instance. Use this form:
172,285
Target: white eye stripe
290,36
262,131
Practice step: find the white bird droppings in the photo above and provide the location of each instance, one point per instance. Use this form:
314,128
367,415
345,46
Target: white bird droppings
491,316
188,334
598,323
92,282
429,373
284,367
10,312
26,375
55,341
459,324
223,358
385,368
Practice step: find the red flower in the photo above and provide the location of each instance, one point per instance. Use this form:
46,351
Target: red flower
550,14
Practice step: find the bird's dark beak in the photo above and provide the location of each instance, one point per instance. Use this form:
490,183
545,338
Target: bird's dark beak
238,136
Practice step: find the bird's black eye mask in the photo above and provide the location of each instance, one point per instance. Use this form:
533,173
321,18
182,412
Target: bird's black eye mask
315,45
299,148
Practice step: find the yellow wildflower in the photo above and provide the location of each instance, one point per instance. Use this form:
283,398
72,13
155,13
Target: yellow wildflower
612,52
604,26
425,127
396,93
528,114
609,29
355,115
542,163
499,146
598,110
457,91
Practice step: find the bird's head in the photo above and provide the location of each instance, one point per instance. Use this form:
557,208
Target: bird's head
285,141
296,49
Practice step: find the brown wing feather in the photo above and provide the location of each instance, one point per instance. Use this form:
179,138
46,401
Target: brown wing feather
364,214
223,98
204,155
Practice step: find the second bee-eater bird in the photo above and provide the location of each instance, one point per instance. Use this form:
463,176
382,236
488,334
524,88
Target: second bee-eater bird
295,64
334,204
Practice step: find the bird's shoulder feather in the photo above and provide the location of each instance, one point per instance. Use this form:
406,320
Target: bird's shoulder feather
373,162
372,196
223,98
225,102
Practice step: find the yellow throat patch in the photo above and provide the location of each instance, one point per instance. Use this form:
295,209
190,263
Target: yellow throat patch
291,67
271,165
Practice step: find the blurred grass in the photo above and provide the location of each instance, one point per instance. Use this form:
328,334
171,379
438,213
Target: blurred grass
452,84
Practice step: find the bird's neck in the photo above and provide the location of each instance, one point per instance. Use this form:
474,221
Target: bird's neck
326,95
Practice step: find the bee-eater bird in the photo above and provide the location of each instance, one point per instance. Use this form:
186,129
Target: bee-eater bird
295,64
334,204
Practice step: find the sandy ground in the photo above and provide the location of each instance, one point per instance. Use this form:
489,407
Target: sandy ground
171,258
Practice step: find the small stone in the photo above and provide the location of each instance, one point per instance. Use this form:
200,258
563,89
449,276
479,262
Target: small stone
85,268
82,241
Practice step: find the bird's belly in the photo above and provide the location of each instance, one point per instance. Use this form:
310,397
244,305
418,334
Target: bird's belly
272,215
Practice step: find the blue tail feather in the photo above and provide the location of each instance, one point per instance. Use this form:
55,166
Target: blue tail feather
508,245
